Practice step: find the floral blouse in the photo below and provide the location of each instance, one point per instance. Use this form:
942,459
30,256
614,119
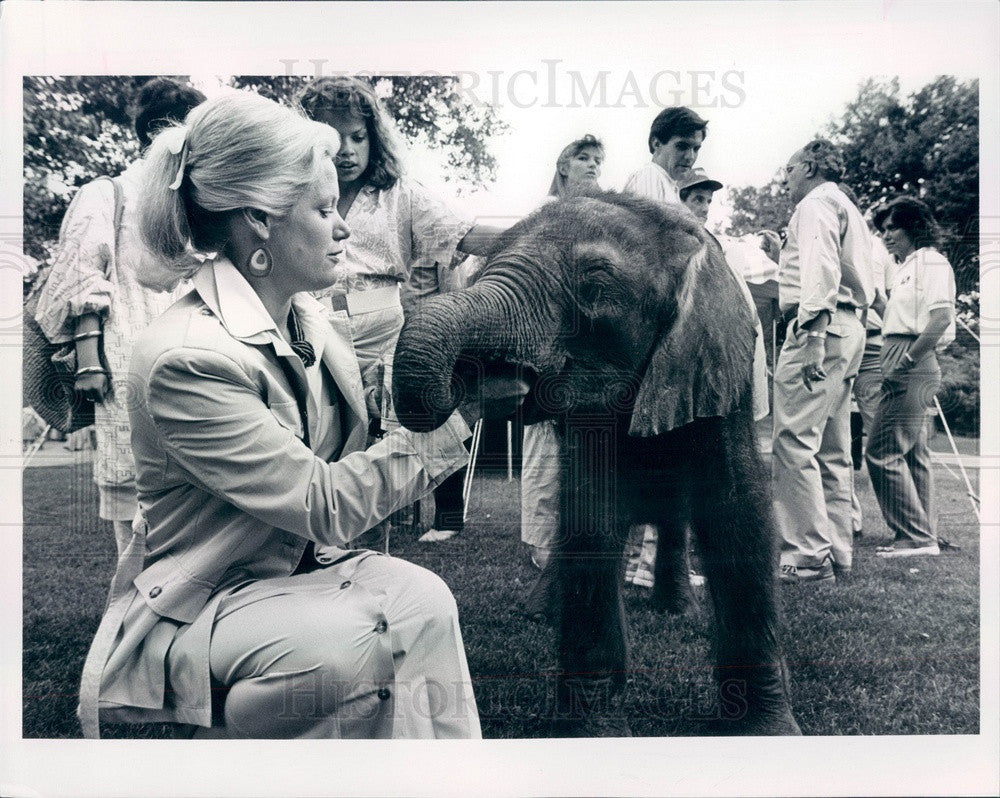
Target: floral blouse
393,232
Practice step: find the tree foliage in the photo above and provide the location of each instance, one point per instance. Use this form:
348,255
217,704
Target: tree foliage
75,129
764,208
925,145
78,128
427,110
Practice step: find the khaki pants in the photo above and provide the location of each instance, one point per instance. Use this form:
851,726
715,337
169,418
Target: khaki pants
367,650
811,468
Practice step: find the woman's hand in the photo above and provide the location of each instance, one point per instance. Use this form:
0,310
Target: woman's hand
94,387
894,380
493,397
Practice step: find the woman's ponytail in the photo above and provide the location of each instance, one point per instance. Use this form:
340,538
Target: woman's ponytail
163,221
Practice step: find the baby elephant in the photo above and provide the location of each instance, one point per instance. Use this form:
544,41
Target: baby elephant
637,340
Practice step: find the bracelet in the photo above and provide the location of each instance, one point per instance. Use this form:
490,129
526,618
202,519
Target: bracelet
84,335
90,370
816,335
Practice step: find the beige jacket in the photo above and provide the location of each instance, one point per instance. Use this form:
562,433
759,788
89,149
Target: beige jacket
227,488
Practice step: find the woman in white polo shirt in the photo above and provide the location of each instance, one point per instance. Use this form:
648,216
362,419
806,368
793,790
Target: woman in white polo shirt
918,321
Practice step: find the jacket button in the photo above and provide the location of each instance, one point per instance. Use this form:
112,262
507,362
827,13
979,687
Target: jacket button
345,585
206,312
155,592
381,626
384,693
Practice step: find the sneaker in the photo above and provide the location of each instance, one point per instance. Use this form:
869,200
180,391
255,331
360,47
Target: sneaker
891,552
643,576
437,535
539,556
793,575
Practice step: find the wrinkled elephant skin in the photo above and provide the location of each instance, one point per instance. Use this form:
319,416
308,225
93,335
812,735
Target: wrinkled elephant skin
639,344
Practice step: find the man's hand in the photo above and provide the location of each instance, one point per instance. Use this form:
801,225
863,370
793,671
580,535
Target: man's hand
815,353
770,243
493,397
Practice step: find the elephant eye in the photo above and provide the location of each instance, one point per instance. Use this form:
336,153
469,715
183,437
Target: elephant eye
591,293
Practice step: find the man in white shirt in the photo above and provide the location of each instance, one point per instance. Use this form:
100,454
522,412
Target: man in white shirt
825,285
675,138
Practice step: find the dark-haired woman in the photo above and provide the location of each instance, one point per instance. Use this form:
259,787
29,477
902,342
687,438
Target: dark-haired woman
919,320
93,298
402,236
400,231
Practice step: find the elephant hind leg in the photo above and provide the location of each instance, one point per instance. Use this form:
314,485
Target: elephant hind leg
672,583
732,519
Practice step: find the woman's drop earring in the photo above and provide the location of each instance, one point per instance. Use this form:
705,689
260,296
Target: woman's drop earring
260,264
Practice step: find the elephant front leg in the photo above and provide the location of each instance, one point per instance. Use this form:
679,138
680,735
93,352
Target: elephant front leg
732,518
592,647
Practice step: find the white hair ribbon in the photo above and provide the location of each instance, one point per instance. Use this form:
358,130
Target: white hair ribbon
175,139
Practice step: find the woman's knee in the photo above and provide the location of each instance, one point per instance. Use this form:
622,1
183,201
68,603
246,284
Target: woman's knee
414,592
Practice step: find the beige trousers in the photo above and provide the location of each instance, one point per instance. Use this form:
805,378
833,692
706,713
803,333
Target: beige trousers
811,470
320,655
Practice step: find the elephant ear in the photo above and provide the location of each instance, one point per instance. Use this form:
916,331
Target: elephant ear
703,363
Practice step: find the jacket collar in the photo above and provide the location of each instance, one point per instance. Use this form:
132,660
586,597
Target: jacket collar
228,294
230,297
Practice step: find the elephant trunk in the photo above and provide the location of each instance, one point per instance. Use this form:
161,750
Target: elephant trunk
443,347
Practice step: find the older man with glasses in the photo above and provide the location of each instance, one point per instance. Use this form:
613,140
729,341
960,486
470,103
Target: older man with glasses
825,287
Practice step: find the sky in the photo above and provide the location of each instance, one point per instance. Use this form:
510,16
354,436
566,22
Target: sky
778,71
767,76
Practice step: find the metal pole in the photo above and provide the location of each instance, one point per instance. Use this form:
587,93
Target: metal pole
968,329
510,451
477,434
961,467
35,446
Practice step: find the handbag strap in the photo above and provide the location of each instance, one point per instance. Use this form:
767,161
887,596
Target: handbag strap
119,208
43,274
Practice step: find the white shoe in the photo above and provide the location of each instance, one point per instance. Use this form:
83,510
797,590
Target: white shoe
891,552
437,535
539,556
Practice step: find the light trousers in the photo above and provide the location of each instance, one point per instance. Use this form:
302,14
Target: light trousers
368,650
811,470
541,470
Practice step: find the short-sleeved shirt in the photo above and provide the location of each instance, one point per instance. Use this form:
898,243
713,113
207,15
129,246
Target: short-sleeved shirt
393,232
653,182
923,282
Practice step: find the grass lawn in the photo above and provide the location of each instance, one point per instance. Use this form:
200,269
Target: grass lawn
895,651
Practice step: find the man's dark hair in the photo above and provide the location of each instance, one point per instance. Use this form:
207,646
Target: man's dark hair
677,121
161,102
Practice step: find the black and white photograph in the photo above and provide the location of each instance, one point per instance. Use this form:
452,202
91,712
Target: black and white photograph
606,390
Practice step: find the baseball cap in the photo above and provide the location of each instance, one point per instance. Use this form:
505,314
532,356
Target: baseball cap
697,177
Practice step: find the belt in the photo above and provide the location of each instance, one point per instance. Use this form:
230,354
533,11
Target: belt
793,311
358,302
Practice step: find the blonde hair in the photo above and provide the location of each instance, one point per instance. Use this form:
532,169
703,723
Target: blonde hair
237,151
558,187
